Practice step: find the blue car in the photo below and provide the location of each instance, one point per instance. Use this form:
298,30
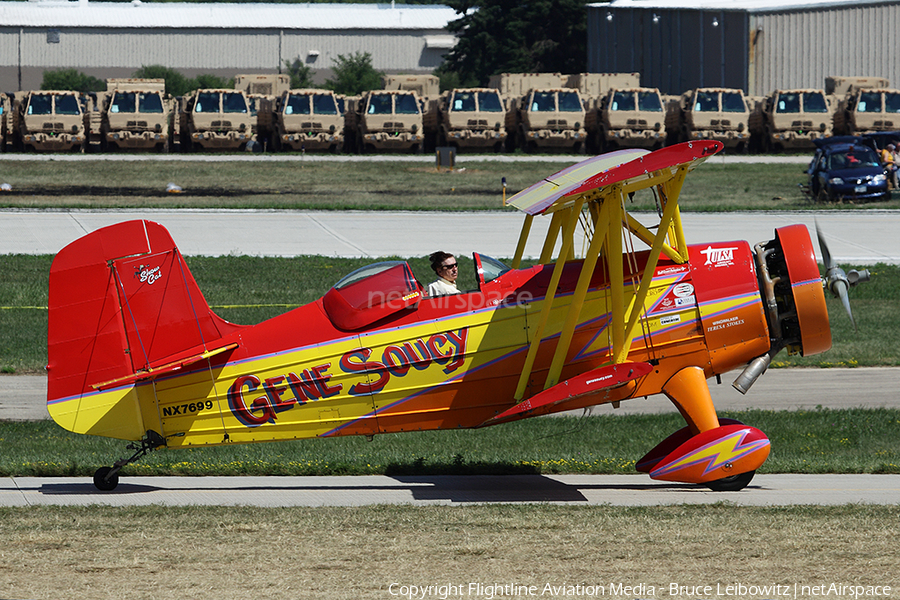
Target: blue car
846,168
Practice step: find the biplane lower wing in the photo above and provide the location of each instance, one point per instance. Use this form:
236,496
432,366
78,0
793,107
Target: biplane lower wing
591,382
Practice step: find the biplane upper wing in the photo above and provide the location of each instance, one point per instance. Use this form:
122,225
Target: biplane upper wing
601,184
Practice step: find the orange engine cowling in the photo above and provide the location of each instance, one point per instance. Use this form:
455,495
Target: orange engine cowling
794,299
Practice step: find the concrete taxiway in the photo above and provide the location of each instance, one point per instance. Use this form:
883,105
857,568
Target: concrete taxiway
854,237
617,490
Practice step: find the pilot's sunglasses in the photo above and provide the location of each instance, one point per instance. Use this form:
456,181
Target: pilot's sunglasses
453,266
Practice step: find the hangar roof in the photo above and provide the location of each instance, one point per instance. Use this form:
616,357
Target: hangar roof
737,5
185,15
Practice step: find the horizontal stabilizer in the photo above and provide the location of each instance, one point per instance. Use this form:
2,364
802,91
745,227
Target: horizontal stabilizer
172,367
593,381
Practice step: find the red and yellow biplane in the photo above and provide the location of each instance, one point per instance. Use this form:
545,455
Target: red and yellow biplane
136,353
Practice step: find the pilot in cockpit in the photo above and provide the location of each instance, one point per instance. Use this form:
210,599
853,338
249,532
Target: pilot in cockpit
447,271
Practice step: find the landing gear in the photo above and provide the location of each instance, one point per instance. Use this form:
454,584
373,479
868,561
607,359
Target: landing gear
734,483
107,478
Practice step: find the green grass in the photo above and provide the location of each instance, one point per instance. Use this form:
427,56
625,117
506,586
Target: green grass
817,441
328,185
243,289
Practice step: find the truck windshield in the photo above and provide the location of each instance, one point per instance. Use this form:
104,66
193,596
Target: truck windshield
543,102
40,104
67,105
622,101
123,102
814,102
406,105
324,104
788,103
892,103
869,102
297,105
732,102
707,102
207,102
649,101
463,102
569,102
489,102
150,102
233,103
380,104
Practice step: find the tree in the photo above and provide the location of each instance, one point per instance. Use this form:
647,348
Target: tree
301,74
71,79
354,74
207,81
510,36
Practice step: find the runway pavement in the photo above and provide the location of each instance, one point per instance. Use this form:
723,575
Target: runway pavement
618,490
854,237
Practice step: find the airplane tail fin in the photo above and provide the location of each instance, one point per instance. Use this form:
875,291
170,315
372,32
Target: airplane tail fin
122,304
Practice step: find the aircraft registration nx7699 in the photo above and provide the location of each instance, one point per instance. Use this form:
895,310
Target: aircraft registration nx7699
135,352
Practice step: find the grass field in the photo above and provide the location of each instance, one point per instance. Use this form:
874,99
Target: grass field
326,185
380,552
818,441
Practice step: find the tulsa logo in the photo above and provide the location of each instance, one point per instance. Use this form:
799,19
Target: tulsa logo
719,257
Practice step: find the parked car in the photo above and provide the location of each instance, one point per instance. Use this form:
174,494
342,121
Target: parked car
846,168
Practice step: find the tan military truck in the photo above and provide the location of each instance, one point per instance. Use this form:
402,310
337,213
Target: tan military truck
864,104
215,119
48,121
790,120
621,113
304,119
133,114
261,91
466,118
6,121
720,114
385,120
542,113
425,86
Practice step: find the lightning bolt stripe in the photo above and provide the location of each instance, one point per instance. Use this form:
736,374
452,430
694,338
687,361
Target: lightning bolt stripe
716,453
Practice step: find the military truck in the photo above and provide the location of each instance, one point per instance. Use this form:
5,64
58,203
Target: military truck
5,121
720,114
790,120
385,120
620,113
131,114
217,119
303,119
466,118
864,104
261,91
48,120
542,113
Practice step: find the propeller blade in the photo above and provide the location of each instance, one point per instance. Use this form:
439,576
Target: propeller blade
826,255
840,289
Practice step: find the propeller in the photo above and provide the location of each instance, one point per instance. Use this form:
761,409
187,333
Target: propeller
836,280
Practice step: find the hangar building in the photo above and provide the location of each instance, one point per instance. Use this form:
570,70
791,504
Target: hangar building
113,39
756,45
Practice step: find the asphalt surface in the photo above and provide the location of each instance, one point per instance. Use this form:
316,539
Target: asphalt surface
857,238
619,490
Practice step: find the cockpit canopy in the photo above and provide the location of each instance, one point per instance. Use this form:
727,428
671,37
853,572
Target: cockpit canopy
371,293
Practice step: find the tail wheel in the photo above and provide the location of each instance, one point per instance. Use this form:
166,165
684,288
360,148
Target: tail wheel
735,483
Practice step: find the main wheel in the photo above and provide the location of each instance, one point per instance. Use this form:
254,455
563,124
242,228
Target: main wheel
103,482
734,483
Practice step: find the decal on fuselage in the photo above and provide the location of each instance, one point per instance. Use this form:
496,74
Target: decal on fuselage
286,391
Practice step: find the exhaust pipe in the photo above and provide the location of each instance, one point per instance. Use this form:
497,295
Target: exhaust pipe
754,369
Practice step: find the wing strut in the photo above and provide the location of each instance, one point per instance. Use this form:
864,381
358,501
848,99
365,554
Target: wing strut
571,215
